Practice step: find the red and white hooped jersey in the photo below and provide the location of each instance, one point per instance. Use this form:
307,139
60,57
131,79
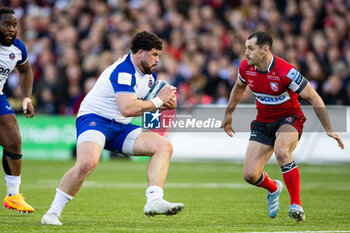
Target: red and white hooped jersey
276,90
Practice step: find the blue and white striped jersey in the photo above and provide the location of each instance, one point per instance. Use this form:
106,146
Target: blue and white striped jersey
121,77
10,56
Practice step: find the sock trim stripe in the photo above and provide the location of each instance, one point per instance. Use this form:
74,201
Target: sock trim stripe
261,179
289,170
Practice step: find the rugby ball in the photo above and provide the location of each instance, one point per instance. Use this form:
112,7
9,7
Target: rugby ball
155,89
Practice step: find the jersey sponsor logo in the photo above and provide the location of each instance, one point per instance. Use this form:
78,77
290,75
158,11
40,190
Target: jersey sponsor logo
271,77
12,56
274,86
295,75
4,71
271,99
251,73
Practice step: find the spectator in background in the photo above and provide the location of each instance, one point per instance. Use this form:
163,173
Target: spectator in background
80,32
334,92
48,90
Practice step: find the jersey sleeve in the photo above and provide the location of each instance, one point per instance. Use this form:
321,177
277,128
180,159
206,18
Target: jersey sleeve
241,70
122,82
20,45
293,79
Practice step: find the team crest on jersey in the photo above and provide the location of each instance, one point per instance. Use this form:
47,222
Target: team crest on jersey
289,119
150,83
12,56
92,123
274,86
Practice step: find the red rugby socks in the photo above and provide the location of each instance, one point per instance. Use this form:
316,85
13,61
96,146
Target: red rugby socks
266,183
292,180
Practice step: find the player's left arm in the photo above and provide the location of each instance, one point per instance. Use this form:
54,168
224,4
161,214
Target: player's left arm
309,94
26,83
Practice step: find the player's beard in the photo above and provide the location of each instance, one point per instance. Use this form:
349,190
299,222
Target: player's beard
4,42
146,68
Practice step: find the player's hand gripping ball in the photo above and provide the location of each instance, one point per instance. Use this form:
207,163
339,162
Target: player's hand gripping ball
155,89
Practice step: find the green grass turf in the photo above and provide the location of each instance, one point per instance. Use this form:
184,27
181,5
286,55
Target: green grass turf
215,196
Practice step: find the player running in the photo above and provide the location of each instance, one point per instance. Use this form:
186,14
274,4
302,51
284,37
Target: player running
278,126
104,123
13,53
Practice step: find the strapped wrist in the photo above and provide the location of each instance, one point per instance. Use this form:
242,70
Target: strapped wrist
157,102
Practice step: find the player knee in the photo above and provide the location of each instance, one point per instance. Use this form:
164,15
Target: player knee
250,177
282,153
86,167
165,147
14,145
168,147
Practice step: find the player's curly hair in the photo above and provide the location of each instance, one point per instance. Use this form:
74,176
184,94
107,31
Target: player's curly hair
146,41
262,38
6,10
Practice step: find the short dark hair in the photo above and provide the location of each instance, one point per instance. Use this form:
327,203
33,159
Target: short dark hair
262,38
146,41
6,10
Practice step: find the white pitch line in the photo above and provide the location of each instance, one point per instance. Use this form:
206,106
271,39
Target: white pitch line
95,184
170,185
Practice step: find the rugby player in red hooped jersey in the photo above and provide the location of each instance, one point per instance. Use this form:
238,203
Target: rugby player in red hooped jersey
276,85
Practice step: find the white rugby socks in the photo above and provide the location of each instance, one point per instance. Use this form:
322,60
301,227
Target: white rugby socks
154,192
12,183
60,201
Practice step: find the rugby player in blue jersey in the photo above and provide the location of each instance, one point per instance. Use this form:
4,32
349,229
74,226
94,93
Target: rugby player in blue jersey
103,122
13,54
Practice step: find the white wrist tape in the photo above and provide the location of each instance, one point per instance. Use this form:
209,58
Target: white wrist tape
157,102
25,101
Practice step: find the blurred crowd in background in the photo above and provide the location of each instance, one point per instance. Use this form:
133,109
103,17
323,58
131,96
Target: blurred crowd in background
71,42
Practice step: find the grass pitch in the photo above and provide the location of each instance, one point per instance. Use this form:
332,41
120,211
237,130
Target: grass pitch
215,195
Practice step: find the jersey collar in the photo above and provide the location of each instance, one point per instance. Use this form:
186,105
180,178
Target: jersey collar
133,63
269,68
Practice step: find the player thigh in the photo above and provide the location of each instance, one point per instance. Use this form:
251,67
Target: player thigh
256,157
124,140
260,149
10,137
148,143
286,140
92,133
287,136
135,141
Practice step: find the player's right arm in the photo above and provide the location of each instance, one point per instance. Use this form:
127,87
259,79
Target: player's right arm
236,96
130,106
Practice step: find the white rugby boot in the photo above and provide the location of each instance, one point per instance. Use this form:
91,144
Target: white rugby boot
161,206
51,219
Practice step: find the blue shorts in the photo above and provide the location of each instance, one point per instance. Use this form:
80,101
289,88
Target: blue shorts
117,135
5,107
